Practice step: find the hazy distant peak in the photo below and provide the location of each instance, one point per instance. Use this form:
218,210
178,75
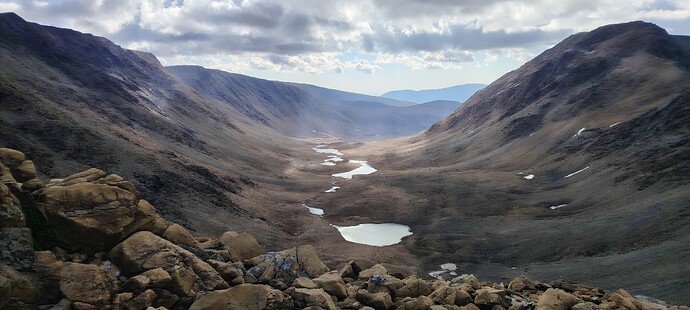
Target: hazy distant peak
458,93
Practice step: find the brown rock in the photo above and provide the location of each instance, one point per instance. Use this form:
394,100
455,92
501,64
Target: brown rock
556,299
521,283
379,301
136,284
158,277
14,285
142,301
414,287
305,297
32,185
303,282
26,171
11,158
244,296
376,269
468,279
92,214
241,245
189,274
11,214
490,297
624,300
181,236
420,303
333,284
87,283
350,270
469,307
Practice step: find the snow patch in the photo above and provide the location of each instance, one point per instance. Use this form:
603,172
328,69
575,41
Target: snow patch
332,190
319,149
576,172
315,211
448,268
614,124
328,163
558,206
529,177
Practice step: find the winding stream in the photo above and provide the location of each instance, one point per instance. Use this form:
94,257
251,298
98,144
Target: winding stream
375,234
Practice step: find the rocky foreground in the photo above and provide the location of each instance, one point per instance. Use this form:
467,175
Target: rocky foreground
89,242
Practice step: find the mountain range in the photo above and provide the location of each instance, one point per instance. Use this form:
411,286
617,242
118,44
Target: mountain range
575,165
458,93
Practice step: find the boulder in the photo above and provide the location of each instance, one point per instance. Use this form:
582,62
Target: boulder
285,266
91,211
11,158
305,297
556,299
522,283
303,282
11,214
378,301
624,300
142,301
145,251
244,296
376,269
14,288
158,277
467,279
227,271
333,284
86,283
32,185
414,287
449,295
16,248
179,235
350,270
241,246
25,171
491,297
419,303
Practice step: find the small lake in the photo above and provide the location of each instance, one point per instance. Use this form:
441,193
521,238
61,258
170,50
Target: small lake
374,234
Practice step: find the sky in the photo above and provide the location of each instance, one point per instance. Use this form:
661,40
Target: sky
364,46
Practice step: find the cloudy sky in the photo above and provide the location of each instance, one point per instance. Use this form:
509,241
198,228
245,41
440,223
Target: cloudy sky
367,46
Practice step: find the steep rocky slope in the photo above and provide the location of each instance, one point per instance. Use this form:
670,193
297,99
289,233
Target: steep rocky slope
576,163
89,241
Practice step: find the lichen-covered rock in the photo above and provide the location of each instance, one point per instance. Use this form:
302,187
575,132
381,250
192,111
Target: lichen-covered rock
241,245
377,269
144,251
556,299
285,266
87,284
244,296
92,211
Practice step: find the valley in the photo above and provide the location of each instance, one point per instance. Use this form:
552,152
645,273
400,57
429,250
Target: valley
574,166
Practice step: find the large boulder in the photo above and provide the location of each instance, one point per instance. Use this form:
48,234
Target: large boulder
25,171
15,288
241,246
145,251
333,284
244,296
11,158
177,234
87,283
305,297
556,299
93,211
286,266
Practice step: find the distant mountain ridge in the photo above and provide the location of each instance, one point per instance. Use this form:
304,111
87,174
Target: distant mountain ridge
458,93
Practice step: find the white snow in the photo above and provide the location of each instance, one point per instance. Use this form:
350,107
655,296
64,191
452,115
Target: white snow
529,177
319,150
333,189
334,158
445,268
363,169
315,211
374,234
576,172
328,163
558,206
614,124
580,131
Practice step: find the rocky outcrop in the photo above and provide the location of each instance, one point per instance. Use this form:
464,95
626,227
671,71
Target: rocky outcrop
122,255
92,211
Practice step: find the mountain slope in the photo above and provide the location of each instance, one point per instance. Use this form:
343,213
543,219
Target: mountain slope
599,124
459,93
352,97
